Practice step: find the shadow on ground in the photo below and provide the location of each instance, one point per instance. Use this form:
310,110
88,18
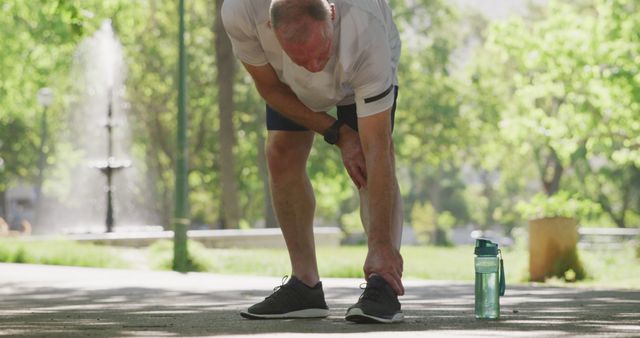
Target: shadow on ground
61,312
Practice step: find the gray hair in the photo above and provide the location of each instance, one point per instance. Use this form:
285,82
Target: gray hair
287,14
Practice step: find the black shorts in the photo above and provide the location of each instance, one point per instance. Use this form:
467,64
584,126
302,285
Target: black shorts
275,121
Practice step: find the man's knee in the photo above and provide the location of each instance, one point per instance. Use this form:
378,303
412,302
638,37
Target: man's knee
288,155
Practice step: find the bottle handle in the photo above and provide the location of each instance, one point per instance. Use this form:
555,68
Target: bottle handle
503,284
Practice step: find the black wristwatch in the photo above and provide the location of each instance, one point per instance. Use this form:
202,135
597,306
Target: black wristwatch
332,134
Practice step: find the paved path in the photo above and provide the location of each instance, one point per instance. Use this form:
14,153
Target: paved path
46,301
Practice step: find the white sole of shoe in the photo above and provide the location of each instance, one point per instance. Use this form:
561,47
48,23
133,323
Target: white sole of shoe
357,316
307,313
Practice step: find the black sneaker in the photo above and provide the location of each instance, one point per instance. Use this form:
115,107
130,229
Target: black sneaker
292,299
377,304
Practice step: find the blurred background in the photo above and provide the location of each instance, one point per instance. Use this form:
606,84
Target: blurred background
508,111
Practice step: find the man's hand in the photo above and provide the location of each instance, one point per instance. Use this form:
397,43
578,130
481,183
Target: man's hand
352,156
386,262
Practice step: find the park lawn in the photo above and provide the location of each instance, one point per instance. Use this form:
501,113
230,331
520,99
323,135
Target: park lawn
618,268
421,262
611,268
606,268
60,252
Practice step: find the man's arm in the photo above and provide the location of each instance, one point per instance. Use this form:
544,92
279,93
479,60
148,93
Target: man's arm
384,257
280,97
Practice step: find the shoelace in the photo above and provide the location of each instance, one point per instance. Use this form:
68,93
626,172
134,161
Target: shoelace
283,285
369,292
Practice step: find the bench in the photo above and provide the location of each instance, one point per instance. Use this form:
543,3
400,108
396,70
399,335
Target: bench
607,237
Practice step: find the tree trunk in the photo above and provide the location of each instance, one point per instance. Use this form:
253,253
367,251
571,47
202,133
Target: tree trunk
488,192
225,64
2,204
550,171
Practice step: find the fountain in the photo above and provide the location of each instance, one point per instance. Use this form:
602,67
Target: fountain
102,63
111,165
90,180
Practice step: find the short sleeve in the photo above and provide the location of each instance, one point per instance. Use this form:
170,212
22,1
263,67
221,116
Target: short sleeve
239,20
373,76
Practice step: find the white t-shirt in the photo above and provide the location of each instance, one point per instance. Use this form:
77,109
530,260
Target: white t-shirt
362,67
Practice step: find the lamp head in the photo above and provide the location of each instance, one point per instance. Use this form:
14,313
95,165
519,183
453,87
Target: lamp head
45,97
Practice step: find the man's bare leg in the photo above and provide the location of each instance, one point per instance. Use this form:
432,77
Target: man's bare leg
293,199
398,217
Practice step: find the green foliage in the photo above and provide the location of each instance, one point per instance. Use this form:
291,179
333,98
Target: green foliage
562,204
423,221
351,223
35,51
430,130
430,226
161,256
560,88
15,157
569,267
564,99
335,194
446,220
59,252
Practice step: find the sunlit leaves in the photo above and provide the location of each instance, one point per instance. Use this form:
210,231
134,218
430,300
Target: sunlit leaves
568,86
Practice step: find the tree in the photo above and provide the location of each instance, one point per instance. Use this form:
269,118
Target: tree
430,131
567,99
36,49
226,69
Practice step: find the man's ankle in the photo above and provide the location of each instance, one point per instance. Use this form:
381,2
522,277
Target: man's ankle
309,281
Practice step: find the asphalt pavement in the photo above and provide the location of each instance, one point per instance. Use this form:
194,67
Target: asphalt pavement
50,301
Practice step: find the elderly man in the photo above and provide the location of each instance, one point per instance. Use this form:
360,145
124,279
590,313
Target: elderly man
305,57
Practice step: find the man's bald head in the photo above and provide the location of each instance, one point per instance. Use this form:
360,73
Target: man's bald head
292,18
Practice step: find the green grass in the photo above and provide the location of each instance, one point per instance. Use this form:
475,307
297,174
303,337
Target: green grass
610,268
230,261
427,262
59,252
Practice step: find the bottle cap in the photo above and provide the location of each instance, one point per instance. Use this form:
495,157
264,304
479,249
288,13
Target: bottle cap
485,247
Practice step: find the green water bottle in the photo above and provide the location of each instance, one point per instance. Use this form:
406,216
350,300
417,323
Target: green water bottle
490,284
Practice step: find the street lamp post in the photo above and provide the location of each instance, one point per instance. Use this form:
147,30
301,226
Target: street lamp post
45,98
181,213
